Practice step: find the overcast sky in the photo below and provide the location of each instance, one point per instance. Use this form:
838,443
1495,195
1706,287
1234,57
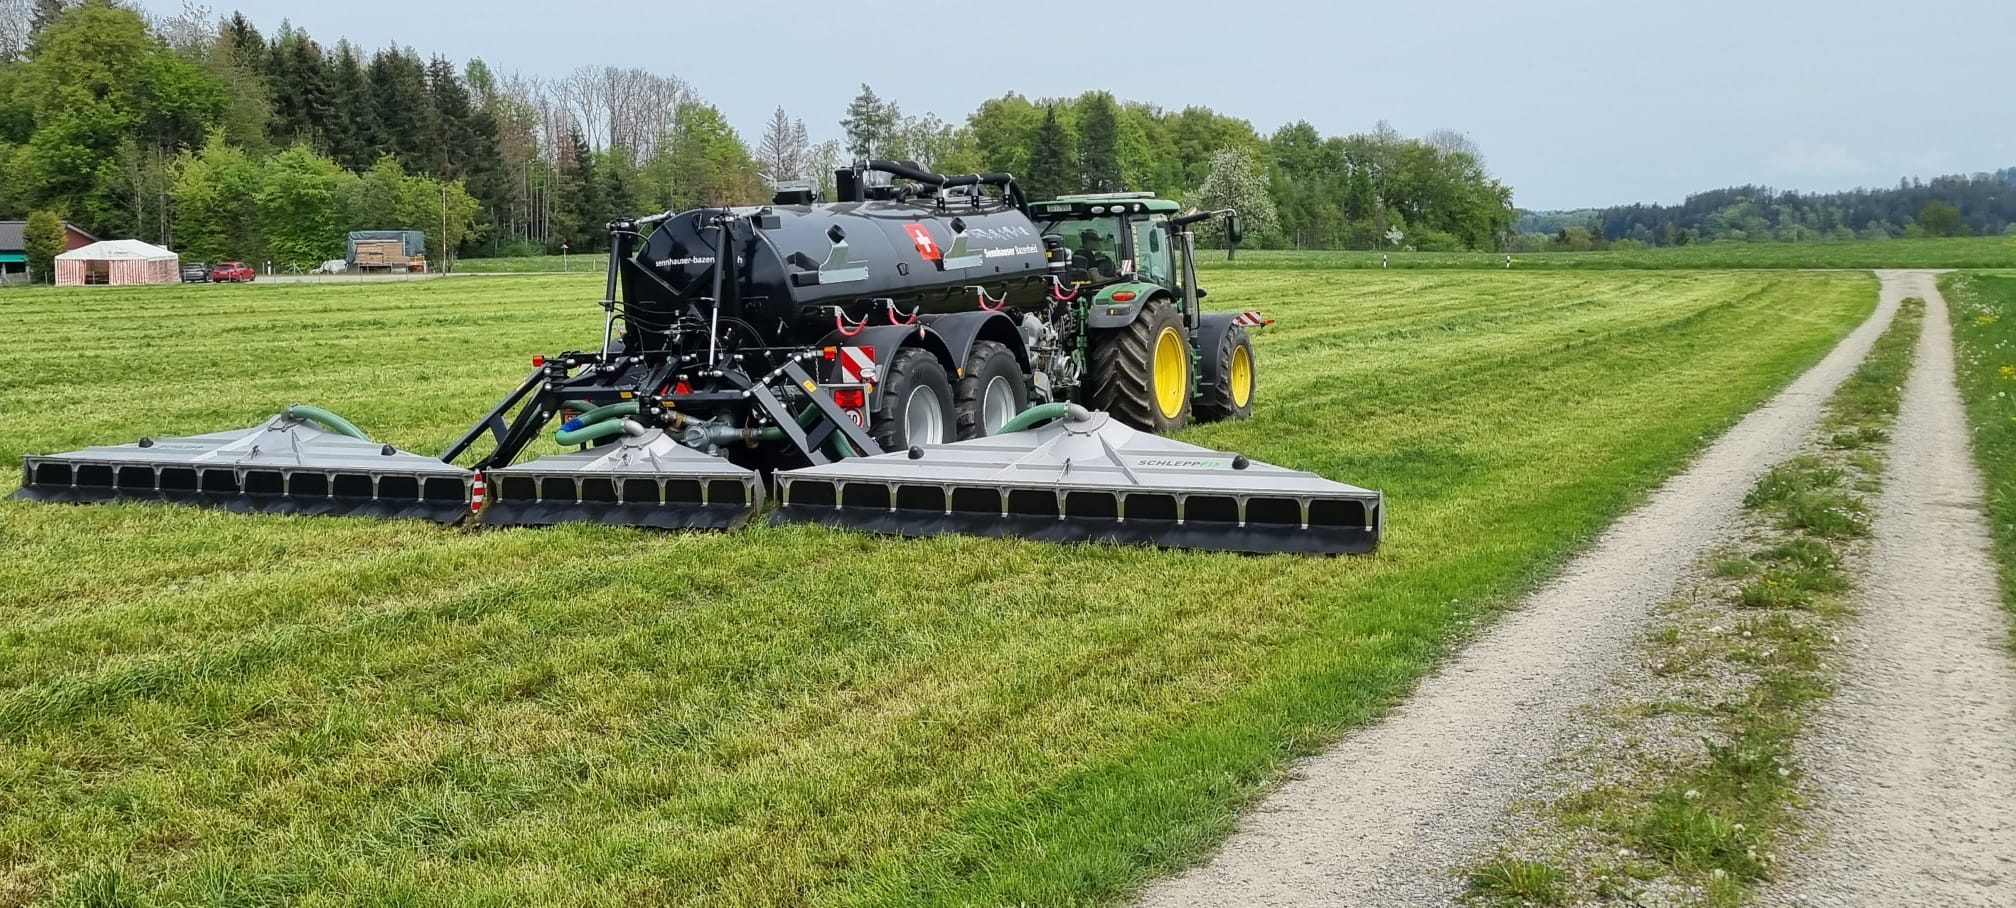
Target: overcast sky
1574,102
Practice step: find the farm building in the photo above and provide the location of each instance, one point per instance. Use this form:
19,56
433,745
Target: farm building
117,262
14,247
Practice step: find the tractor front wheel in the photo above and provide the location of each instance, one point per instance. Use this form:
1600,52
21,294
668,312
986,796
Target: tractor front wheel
916,402
1229,378
1141,373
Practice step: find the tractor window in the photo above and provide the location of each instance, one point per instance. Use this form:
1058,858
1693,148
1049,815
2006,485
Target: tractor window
1095,247
1153,259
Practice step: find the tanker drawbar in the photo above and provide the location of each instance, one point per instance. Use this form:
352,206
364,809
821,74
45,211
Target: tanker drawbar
912,358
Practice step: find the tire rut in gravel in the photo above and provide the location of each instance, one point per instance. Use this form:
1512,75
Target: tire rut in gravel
1914,757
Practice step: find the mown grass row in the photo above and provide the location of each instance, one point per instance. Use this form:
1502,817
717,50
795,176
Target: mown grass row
1984,337
207,707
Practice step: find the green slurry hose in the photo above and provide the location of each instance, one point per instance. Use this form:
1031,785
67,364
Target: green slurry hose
330,421
598,423
586,434
1037,415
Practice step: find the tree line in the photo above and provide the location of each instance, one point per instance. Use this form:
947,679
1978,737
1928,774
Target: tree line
1982,204
204,134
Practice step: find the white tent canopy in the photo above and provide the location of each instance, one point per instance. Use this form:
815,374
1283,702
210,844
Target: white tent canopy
117,250
117,262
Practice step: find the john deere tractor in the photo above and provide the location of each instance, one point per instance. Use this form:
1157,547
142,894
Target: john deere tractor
1154,356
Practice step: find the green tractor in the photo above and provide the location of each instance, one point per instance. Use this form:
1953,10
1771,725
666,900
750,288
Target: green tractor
1154,358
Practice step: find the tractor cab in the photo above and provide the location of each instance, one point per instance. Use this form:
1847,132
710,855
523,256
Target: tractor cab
1113,236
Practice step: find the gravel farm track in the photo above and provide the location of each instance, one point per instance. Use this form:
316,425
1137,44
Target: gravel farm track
1915,755
1915,760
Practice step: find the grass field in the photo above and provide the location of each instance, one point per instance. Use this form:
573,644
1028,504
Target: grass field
1984,337
199,707
591,263
1963,252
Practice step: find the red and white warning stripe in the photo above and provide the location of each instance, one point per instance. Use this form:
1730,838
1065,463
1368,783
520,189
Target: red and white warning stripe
857,364
1251,318
476,490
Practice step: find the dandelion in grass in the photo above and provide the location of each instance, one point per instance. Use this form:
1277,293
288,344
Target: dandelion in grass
2008,372
1984,320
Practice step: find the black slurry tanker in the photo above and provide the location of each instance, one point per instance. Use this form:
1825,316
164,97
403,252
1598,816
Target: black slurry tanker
932,354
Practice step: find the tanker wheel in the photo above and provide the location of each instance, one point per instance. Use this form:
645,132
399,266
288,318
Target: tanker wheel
991,391
1141,373
916,402
1229,378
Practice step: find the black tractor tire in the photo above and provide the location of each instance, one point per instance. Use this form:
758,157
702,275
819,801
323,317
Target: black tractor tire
987,363
1227,392
1123,380
911,371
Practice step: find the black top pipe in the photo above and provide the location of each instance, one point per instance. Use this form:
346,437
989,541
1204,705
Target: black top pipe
910,171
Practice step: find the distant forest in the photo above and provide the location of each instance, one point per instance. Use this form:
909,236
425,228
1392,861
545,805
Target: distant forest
1982,204
200,132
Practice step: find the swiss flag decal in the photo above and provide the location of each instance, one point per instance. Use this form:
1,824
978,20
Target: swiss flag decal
926,247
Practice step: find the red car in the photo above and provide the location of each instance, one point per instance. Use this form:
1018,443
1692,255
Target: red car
233,272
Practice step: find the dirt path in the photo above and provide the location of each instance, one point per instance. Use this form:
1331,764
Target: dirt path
1386,816
1915,755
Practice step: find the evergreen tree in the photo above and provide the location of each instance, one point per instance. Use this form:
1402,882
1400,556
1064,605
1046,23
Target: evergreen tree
237,60
47,12
1053,159
870,124
349,135
452,134
302,103
398,84
248,47
1099,143
582,212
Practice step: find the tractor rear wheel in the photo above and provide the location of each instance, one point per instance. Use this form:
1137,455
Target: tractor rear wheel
991,391
1229,378
916,402
1141,373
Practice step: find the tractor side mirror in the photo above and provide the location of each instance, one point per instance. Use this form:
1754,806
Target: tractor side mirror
1234,230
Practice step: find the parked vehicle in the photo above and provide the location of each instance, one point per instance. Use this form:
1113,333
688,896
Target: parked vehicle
195,273
233,273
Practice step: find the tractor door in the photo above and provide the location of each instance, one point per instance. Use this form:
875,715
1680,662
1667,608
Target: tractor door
1153,259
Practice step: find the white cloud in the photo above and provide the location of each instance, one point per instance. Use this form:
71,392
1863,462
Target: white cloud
1820,160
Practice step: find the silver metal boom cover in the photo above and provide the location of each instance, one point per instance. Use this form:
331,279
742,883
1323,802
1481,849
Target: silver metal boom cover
1087,477
286,465
643,479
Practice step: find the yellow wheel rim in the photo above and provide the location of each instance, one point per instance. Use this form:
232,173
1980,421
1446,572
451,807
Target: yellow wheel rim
1242,376
1172,372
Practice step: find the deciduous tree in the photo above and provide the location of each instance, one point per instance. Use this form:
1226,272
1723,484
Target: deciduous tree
43,235
1237,182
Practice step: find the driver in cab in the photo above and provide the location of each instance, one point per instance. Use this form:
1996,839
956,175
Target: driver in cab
1091,261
